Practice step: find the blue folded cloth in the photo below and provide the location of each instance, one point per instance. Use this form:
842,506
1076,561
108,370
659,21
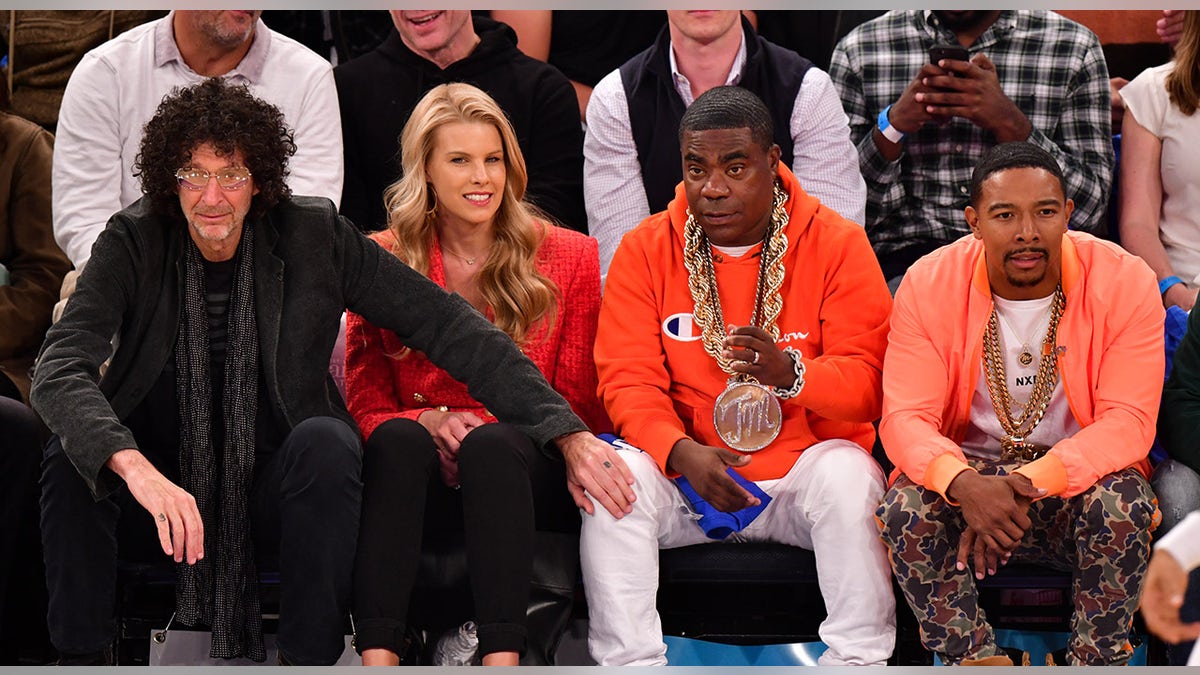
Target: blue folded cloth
613,439
716,524
1174,328
719,524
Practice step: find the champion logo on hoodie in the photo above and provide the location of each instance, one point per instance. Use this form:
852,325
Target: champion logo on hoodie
681,327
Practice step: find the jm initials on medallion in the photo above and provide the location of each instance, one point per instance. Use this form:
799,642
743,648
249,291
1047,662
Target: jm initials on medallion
749,414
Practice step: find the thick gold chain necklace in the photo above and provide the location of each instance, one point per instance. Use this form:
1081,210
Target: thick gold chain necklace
702,281
1017,427
746,416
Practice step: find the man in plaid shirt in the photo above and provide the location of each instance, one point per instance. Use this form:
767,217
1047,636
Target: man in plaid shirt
921,128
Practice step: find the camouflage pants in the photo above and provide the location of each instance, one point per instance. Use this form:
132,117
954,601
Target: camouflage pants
1101,536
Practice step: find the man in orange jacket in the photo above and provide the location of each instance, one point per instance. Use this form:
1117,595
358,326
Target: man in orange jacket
1021,385
746,318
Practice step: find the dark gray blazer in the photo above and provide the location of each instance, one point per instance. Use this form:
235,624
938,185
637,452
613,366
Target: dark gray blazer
309,265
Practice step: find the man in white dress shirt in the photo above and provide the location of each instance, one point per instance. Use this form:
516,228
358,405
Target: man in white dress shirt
631,150
117,87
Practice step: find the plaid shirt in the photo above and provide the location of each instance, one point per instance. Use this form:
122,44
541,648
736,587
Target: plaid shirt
1053,70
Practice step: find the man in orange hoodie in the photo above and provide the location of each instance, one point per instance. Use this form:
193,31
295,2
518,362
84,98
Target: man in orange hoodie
746,318
1021,385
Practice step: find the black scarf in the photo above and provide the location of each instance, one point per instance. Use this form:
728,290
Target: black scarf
221,590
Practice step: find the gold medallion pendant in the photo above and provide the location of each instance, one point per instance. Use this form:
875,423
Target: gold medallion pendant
747,416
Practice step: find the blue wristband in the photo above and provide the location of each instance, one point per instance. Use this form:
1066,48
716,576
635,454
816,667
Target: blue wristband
885,127
1167,283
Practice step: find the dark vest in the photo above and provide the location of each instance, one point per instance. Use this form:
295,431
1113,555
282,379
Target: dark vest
655,108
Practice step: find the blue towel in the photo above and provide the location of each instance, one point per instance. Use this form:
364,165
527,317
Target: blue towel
716,524
1174,328
719,524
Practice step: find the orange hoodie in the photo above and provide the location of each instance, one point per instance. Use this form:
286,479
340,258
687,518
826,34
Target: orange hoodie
658,383
1110,364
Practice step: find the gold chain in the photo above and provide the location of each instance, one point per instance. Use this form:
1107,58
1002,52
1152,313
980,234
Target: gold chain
1018,428
702,281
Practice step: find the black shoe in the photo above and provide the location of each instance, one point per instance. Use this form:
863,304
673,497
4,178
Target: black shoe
100,658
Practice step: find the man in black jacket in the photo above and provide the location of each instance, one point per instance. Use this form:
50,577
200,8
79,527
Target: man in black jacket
377,92
217,414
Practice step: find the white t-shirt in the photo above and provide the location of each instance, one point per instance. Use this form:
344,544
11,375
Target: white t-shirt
1179,221
1022,323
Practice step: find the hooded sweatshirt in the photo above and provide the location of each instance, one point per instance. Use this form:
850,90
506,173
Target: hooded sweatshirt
659,385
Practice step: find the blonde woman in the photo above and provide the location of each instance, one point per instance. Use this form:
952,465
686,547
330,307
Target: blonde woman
1160,177
434,459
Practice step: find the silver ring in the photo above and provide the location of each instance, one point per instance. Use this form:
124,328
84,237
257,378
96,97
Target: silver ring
755,361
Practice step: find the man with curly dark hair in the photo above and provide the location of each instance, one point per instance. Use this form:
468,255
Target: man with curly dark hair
218,415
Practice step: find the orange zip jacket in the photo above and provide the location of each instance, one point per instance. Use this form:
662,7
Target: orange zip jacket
1110,362
659,385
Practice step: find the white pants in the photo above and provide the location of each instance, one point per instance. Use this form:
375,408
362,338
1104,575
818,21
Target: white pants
826,503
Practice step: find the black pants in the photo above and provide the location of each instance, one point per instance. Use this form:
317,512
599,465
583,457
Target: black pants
304,506
22,580
509,487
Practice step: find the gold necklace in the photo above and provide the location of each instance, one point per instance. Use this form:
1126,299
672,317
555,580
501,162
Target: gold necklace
469,261
746,415
1017,427
1025,357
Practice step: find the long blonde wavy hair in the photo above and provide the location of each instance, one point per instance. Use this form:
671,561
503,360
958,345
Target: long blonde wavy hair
1183,82
516,292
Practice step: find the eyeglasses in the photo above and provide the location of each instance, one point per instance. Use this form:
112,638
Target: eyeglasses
230,178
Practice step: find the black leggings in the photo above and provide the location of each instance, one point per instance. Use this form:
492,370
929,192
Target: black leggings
509,487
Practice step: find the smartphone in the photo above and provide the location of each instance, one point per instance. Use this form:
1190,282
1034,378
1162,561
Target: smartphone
948,51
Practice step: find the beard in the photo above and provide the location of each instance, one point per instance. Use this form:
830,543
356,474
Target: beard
214,232
1027,282
225,33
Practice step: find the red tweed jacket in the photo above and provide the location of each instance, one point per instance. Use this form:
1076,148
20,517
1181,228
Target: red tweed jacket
386,380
